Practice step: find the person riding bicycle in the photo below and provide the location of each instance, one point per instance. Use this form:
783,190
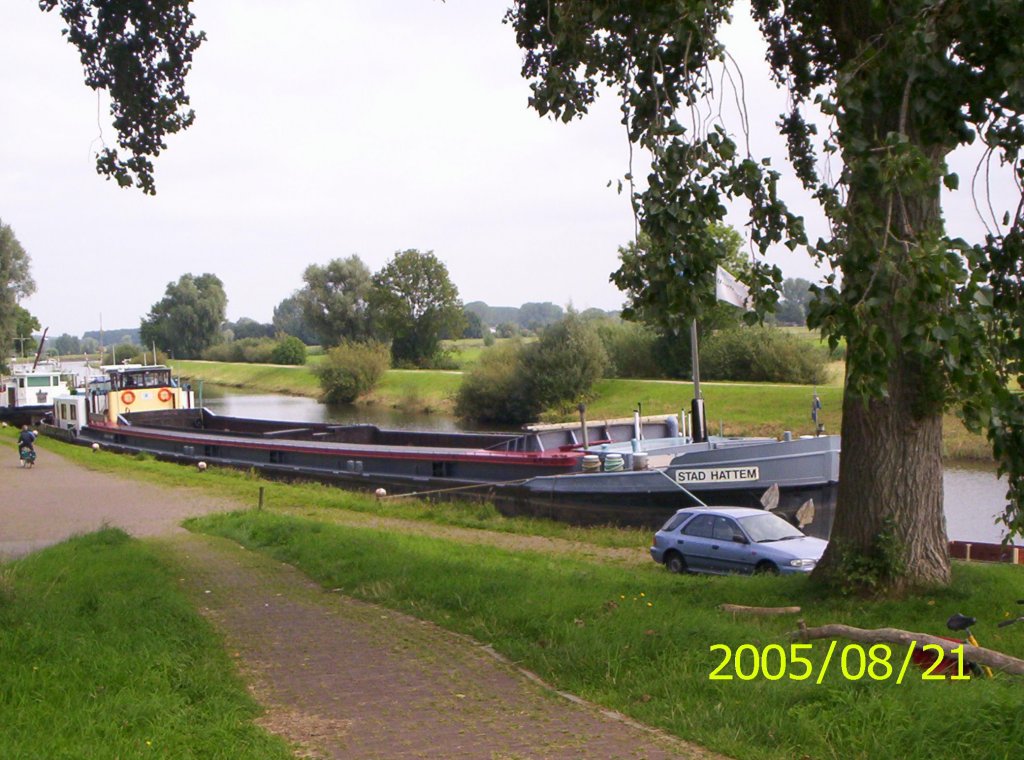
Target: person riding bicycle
26,439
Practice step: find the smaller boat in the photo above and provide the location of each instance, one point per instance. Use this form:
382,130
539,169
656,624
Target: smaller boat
27,394
121,390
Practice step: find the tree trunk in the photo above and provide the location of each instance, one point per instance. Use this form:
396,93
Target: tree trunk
890,528
889,532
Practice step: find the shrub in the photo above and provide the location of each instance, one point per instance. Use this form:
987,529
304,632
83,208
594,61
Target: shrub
251,350
513,382
632,349
762,354
494,390
352,370
564,364
289,350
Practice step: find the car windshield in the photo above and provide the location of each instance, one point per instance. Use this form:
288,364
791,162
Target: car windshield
768,527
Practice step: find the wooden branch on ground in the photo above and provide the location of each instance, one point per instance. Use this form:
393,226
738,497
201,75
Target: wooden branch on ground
758,610
979,655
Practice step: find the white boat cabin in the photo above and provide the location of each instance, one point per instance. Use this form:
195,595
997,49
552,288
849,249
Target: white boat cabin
124,389
28,388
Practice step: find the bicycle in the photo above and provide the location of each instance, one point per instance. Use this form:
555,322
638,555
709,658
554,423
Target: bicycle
947,665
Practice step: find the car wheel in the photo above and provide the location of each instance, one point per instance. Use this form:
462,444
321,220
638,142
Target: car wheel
675,563
766,568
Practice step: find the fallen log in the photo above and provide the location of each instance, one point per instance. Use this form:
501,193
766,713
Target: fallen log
758,610
978,655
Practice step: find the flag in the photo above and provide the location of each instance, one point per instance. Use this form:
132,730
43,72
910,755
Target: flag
730,290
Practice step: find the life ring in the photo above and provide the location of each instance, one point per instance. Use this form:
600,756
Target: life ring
127,398
164,394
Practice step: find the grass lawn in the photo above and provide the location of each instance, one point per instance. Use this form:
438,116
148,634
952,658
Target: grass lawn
639,640
103,656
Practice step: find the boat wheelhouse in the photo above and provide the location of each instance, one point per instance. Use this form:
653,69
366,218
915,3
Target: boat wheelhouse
26,395
121,390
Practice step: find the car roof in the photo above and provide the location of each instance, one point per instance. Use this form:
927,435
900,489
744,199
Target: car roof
724,511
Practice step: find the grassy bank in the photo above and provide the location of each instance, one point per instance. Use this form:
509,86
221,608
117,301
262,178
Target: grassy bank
303,498
733,408
638,640
103,656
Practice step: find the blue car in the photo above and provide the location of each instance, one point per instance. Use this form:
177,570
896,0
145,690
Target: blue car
734,540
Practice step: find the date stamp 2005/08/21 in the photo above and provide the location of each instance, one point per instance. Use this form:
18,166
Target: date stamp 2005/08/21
855,662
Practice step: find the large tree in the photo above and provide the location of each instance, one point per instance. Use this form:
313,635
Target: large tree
15,283
290,319
796,298
930,323
416,303
139,53
189,316
335,301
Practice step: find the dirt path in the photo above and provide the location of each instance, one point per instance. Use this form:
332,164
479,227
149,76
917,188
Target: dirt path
339,678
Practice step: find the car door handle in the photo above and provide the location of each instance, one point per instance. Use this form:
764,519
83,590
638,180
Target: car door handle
715,547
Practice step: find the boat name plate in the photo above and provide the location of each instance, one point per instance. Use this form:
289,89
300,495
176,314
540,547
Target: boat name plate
718,475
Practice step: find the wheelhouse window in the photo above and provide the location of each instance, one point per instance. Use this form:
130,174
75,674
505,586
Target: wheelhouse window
151,378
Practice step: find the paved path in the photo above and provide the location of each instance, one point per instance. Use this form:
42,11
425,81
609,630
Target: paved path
56,499
339,678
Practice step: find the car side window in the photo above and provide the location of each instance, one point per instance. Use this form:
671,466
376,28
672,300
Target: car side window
725,529
702,526
675,521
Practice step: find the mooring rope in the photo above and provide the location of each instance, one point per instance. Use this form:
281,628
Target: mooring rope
453,489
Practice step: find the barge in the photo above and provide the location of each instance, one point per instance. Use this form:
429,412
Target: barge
630,472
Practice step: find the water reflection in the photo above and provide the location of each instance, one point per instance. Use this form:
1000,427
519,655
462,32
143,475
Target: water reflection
974,496
234,403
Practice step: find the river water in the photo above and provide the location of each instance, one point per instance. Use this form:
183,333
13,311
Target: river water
974,496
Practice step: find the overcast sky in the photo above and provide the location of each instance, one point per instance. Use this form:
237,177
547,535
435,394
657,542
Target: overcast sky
324,129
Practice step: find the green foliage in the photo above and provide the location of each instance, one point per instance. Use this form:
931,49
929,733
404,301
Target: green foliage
122,352
496,390
246,327
562,367
865,573
508,330
535,316
140,54
796,298
189,316
25,323
762,354
416,304
67,344
249,350
514,382
288,350
336,301
290,319
351,370
15,283
474,325
632,349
